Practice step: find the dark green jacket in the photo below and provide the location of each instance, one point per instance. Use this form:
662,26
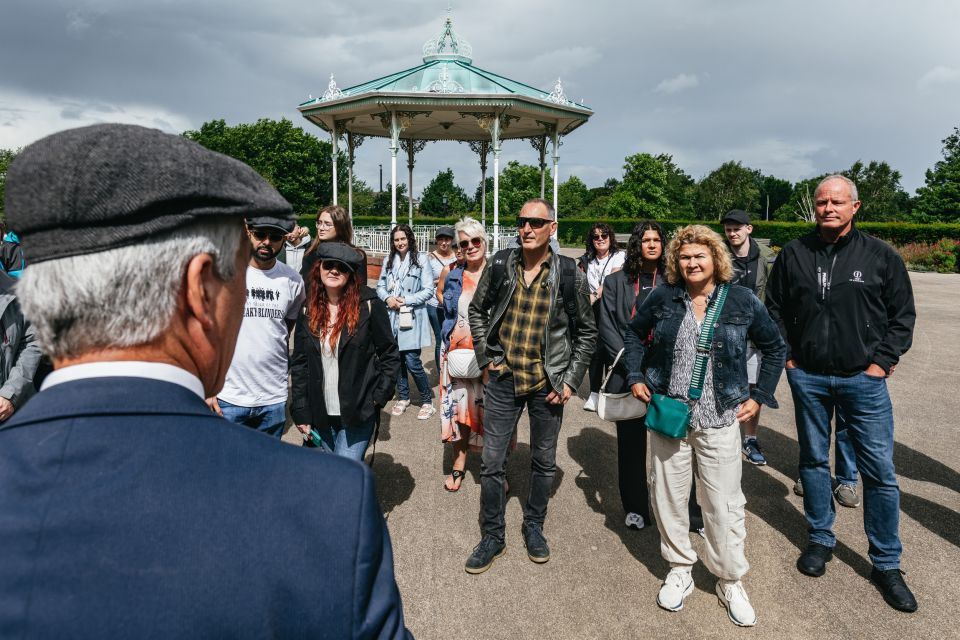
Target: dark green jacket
565,356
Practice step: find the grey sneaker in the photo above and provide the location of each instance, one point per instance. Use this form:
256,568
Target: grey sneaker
798,488
846,495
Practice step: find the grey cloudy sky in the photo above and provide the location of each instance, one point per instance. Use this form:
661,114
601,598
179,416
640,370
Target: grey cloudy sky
792,88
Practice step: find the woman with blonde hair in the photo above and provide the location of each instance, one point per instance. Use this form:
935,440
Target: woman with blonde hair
694,374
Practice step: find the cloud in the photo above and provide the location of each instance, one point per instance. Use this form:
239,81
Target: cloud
677,83
568,60
939,76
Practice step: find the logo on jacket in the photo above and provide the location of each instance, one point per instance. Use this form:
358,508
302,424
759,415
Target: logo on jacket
857,276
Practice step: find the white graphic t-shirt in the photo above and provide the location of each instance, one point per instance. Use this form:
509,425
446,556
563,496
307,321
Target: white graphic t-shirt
258,372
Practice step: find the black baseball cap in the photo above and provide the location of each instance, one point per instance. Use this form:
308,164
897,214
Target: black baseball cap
739,216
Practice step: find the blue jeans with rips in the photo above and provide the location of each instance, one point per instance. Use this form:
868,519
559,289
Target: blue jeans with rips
864,403
269,418
410,361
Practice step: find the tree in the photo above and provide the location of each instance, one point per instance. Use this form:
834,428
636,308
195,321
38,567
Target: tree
730,186
518,183
774,193
643,191
295,162
443,185
381,202
879,190
681,188
573,196
6,157
939,199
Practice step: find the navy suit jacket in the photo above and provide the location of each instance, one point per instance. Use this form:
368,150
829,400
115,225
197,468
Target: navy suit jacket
129,510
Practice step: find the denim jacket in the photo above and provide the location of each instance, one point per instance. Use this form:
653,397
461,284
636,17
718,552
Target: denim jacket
743,318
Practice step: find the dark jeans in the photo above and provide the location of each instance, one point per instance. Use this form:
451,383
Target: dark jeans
410,360
436,320
502,411
632,467
596,371
864,403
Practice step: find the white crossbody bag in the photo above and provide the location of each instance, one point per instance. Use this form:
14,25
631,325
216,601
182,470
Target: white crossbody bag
618,406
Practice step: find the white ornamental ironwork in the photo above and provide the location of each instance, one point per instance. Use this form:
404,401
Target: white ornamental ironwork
557,96
333,92
448,42
445,84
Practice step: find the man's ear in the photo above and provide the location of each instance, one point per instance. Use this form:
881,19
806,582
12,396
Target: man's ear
200,286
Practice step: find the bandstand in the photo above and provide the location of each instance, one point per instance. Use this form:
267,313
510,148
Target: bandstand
446,98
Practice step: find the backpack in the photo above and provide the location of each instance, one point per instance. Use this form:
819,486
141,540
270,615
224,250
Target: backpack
11,255
568,290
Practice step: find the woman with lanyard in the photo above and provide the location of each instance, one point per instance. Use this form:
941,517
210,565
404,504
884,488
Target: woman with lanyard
602,258
439,259
405,285
345,359
705,376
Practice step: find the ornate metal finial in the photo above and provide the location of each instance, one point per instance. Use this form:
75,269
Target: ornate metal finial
444,84
333,91
557,96
448,45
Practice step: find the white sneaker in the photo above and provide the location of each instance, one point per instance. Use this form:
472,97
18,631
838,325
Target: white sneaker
634,521
676,587
399,407
425,412
591,403
733,596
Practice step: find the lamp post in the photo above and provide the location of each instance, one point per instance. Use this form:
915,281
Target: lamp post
445,201
381,178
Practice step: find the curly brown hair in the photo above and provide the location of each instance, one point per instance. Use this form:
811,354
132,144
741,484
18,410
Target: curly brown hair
699,234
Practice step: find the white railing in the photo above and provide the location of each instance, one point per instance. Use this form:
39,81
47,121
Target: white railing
376,239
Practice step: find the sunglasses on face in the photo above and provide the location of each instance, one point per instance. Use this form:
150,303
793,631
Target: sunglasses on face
264,235
535,223
334,265
474,242
600,236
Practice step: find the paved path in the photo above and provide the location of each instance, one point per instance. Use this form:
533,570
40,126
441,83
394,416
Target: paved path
602,579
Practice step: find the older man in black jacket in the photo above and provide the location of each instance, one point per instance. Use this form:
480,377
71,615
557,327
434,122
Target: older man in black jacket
844,304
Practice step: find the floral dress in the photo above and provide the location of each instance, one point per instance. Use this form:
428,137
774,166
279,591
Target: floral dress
461,399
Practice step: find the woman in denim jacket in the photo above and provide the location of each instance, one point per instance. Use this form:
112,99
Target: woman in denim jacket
697,265
405,285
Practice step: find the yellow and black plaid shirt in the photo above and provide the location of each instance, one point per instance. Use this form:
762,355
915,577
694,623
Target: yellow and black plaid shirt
522,330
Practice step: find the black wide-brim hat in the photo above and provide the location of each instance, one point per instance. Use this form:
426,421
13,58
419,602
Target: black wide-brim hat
91,189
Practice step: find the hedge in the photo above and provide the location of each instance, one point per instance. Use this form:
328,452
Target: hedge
573,231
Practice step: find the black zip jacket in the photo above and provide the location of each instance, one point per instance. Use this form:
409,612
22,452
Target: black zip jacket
843,307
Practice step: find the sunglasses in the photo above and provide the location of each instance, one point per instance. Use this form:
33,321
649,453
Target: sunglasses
535,223
600,236
263,235
475,242
334,265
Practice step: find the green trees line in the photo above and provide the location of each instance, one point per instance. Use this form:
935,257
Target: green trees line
299,165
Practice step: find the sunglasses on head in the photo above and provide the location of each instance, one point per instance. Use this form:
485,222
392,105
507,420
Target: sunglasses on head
263,235
600,236
476,242
535,223
334,265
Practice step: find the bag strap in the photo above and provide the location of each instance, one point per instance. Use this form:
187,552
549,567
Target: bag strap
603,385
568,290
703,344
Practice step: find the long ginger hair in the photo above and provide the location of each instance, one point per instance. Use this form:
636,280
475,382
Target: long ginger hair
319,315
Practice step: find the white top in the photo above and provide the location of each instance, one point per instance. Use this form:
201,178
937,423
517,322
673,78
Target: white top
597,270
294,253
126,369
331,378
258,372
437,265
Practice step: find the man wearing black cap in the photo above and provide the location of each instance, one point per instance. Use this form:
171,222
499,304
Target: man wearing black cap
752,262
255,391
129,508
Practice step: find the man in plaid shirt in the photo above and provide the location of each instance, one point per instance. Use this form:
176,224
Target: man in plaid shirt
534,347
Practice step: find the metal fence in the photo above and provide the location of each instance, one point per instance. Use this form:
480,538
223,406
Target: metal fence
376,239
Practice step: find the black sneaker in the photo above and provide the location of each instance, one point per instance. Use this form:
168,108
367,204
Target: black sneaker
893,589
484,554
536,544
813,561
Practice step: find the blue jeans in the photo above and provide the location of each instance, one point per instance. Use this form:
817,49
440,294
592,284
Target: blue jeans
410,361
349,442
864,403
269,418
502,409
845,461
436,321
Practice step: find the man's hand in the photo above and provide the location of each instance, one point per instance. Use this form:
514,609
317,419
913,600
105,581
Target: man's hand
791,364
640,391
6,409
748,410
876,371
485,378
214,406
555,398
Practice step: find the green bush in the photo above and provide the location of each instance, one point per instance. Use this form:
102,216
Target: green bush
942,256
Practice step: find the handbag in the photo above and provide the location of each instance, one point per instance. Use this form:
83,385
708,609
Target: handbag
406,317
462,363
671,417
618,406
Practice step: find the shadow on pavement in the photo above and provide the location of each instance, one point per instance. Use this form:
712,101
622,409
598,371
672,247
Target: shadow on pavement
395,483
912,464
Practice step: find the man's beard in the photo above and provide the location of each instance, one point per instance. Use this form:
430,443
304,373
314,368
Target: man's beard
259,257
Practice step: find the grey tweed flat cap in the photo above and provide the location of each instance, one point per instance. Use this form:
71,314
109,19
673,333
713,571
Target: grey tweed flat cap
106,186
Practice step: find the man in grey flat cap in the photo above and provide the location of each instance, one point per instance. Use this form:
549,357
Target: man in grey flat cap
129,508
255,391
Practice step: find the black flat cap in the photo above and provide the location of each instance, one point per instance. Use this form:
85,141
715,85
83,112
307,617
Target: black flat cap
340,252
738,216
106,186
444,231
284,225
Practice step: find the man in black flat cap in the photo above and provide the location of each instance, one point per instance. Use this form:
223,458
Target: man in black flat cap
129,508
255,391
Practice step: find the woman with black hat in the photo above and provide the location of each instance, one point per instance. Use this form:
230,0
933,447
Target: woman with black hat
345,358
439,259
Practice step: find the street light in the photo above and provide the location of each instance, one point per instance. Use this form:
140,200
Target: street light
445,201
381,178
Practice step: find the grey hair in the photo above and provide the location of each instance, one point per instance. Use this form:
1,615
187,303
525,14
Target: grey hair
122,297
471,228
850,183
551,212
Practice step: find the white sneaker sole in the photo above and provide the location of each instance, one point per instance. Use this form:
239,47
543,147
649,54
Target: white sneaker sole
722,601
683,596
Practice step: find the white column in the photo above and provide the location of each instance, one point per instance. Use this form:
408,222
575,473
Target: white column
394,147
495,138
556,175
350,175
543,164
483,195
334,134
410,182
